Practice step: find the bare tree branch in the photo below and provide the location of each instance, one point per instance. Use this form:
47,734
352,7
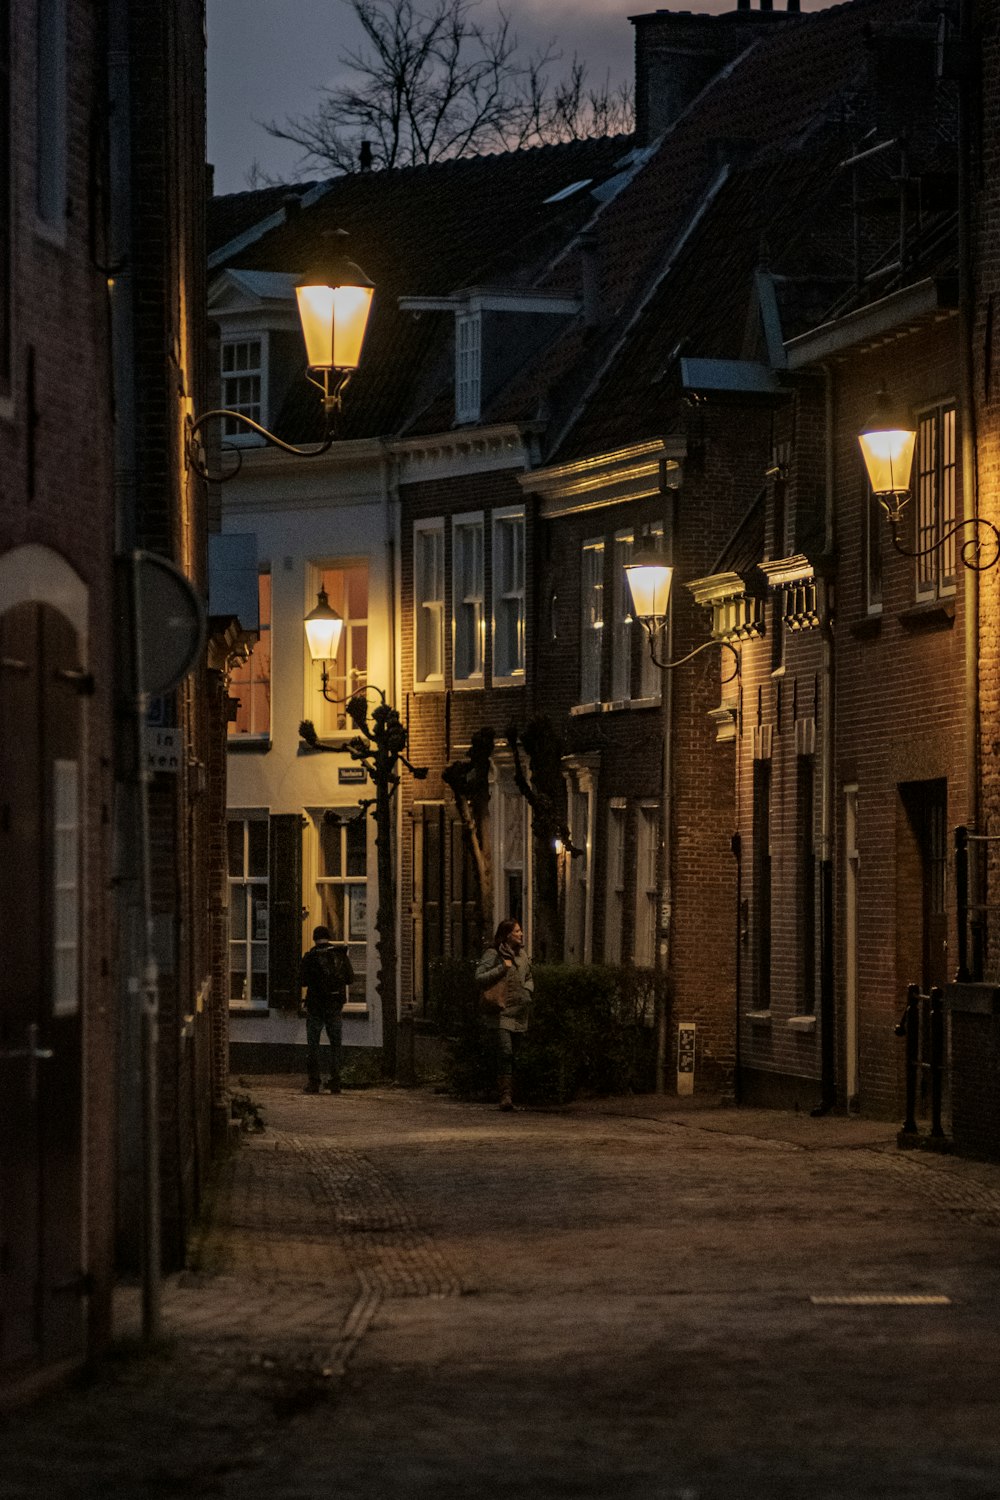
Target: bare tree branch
430,82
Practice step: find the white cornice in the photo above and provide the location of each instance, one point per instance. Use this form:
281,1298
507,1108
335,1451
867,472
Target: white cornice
624,474
717,587
892,317
782,571
474,450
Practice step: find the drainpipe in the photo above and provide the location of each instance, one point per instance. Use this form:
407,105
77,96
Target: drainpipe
138,979
665,914
970,489
827,992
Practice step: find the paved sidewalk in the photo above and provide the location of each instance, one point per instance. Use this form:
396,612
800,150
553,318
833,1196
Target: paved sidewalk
397,1293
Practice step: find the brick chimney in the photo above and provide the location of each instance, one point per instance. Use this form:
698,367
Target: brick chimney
678,52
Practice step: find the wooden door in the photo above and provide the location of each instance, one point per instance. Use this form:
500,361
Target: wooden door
42,1279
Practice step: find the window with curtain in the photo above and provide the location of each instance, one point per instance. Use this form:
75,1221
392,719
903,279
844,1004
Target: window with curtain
621,621
614,875
242,385
341,883
468,366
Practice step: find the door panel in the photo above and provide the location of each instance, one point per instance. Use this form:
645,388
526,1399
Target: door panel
41,1265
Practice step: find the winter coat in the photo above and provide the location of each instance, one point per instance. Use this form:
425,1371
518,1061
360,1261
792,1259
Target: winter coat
520,988
326,973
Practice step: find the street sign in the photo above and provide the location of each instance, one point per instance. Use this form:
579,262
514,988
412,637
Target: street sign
685,1057
170,618
351,775
163,749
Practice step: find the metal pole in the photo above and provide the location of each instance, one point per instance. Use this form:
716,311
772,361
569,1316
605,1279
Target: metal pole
937,1058
962,975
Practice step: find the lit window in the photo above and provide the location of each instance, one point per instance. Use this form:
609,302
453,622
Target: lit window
342,884
250,681
647,845
428,591
242,385
248,910
468,365
591,620
621,621
347,590
508,596
935,464
468,593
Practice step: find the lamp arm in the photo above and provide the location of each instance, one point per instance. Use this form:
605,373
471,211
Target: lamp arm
359,692
668,666
221,414
970,550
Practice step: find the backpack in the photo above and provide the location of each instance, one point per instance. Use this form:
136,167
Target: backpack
330,974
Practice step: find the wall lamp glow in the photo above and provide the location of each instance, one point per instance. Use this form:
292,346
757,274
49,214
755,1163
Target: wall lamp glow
888,440
334,301
649,577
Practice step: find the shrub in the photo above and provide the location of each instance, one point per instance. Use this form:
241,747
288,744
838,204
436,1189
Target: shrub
591,1033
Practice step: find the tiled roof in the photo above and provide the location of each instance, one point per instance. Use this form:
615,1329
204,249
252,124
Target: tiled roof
798,105
233,214
426,231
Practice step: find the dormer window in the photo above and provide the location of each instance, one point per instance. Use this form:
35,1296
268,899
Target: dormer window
243,375
468,366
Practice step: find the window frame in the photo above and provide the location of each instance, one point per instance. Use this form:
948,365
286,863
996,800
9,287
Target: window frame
245,882
592,551
468,365
646,896
429,682
235,433
503,516
264,623
468,522
316,707
614,881
344,813
936,513
51,122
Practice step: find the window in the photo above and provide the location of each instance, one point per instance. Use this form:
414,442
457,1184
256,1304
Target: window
347,590
5,198
242,385
647,849
250,682
468,366
650,676
342,884
428,594
614,914
508,596
591,620
468,594
762,884
50,148
807,886
578,882
66,881
247,836
510,855
935,461
621,621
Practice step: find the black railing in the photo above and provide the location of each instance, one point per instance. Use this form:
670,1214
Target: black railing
911,1026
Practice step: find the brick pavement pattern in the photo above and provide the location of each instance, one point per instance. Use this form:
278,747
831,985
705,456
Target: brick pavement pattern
398,1293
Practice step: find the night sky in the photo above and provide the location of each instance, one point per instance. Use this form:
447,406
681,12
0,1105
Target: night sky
268,59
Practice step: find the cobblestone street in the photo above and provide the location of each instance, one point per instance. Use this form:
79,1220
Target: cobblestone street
398,1293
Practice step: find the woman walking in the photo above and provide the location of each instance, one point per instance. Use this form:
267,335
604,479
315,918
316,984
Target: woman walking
507,987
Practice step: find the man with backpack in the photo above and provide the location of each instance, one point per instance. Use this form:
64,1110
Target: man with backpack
325,974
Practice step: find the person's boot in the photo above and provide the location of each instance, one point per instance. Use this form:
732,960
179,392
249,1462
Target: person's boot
506,1083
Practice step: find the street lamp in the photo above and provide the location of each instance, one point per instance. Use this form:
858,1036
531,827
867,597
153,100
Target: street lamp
334,301
379,744
888,440
649,577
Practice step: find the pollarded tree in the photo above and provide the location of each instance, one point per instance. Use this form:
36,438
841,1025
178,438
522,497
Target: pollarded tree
433,82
